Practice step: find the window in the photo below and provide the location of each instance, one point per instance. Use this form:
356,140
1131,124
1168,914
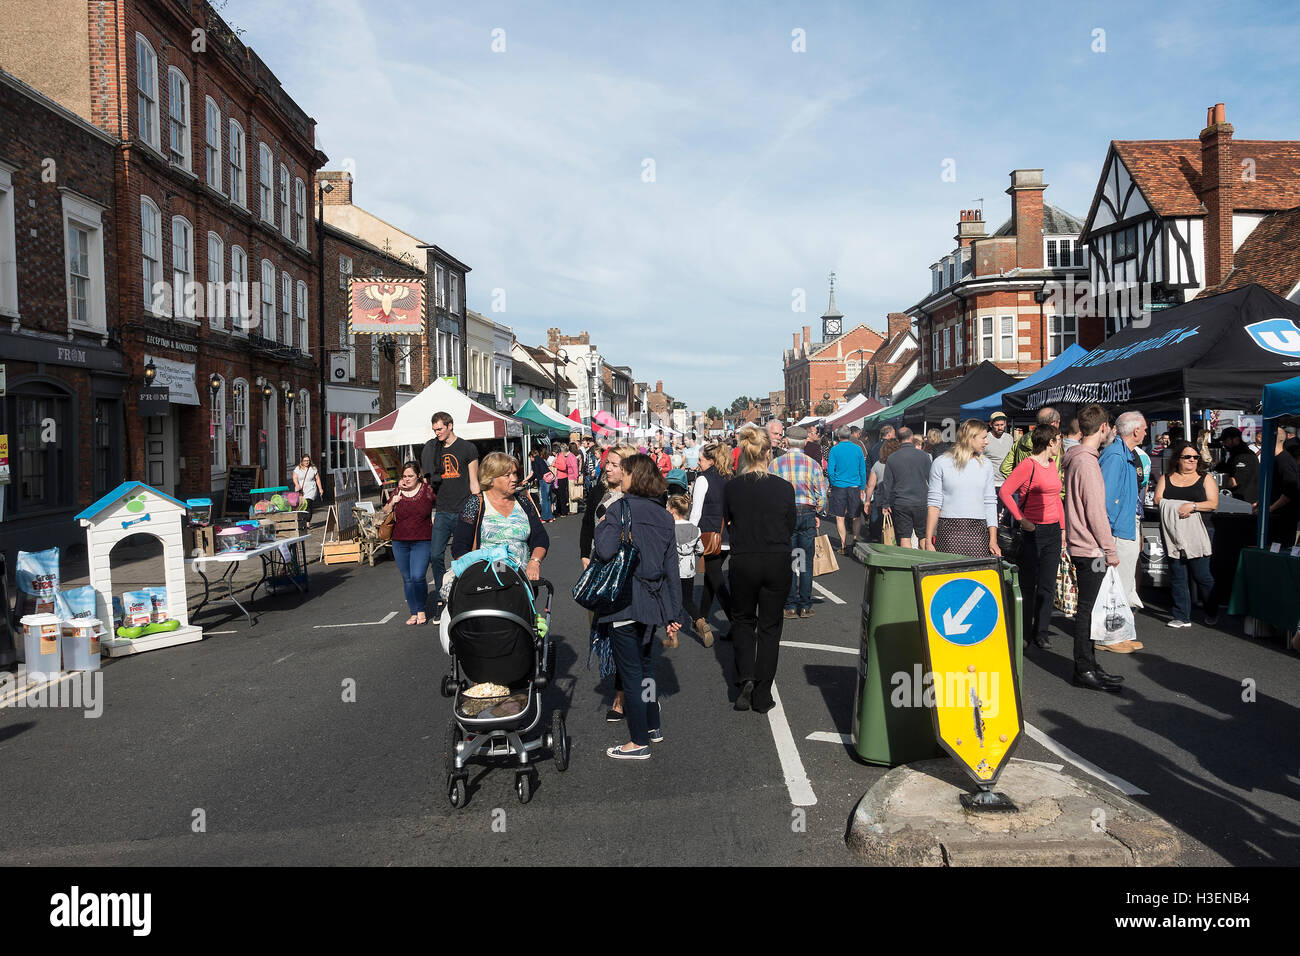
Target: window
404,362
241,302
304,425
286,227
947,347
1008,338
8,244
239,398
935,281
106,446
216,291
958,333
155,300
1065,332
183,269
44,471
934,350
1051,254
302,317
440,276
1125,244
1078,253
374,359
291,434
986,337
235,152
268,300
146,85
286,307
348,345
212,140
345,271
178,113
82,227
300,212
217,428
265,191
455,294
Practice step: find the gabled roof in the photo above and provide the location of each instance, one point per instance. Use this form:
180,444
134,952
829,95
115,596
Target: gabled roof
1270,256
546,362
1056,222
116,495
815,350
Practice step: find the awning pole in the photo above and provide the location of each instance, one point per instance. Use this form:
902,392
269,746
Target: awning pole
1187,418
1267,442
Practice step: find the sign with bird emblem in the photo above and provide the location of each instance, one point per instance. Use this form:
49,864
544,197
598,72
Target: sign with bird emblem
380,306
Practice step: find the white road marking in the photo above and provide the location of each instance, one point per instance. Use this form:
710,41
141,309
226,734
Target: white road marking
796,778
1058,767
387,617
826,737
820,647
1068,755
283,659
24,692
826,593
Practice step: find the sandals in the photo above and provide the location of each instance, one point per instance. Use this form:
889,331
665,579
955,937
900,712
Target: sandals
412,620
421,619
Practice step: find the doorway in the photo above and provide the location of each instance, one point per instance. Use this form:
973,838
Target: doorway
160,452
271,423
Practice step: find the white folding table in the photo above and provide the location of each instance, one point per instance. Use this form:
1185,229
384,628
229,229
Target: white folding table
288,556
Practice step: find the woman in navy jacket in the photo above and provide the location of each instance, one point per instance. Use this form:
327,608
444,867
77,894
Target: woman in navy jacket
656,597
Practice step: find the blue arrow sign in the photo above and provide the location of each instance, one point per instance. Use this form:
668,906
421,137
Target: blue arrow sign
963,612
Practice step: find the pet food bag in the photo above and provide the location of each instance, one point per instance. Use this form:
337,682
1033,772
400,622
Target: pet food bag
137,608
38,581
158,604
77,603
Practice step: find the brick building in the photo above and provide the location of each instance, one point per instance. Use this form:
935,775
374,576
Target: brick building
893,368
62,408
214,258
991,298
830,367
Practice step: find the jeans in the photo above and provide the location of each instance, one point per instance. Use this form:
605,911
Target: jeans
1040,558
1090,581
444,523
801,555
759,584
1200,570
632,644
413,561
546,501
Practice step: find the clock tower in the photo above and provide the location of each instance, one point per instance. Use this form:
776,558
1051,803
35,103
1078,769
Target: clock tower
832,319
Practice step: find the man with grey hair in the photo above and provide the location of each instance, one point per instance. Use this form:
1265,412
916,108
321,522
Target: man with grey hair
776,434
1119,470
906,488
846,469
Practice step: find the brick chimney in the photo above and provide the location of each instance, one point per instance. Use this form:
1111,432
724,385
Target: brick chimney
1026,193
659,387
552,339
900,323
1216,193
807,335
340,193
796,341
969,227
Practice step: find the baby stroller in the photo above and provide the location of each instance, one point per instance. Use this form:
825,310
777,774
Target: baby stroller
498,636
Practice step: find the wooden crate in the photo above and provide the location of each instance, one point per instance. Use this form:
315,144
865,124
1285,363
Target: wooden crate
341,552
290,524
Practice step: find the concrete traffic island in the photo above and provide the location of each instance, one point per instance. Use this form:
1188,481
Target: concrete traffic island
913,817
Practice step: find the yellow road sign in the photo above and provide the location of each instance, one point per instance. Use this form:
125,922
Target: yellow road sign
976,710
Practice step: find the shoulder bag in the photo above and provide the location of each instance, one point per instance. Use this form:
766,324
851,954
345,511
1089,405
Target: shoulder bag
606,586
384,530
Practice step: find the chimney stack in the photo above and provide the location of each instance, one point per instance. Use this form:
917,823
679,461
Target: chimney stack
340,193
899,324
553,339
969,228
659,387
807,335
1216,193
1026,193
795,335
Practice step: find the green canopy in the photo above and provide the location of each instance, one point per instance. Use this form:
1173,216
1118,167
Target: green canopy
541,422
890,412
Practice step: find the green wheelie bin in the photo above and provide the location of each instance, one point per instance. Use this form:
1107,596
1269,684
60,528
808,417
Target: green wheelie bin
893,654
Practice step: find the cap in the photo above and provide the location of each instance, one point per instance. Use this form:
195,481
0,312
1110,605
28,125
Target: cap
996,415
796,433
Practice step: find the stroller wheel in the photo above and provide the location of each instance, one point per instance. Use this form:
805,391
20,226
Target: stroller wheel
454,738
524,785
448,686
456,793
559,742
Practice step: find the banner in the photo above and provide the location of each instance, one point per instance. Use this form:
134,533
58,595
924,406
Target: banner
379,306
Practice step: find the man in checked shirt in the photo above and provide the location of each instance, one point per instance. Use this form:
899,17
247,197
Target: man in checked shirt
810,489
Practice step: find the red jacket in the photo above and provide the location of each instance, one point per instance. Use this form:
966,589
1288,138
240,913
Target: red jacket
414,515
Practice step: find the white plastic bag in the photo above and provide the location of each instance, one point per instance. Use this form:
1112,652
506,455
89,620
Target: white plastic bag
1112,618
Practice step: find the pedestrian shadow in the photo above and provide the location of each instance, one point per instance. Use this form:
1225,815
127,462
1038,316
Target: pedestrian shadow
1241,832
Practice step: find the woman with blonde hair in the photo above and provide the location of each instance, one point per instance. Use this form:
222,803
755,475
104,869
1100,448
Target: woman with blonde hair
962,510
760,518
502,515
706,514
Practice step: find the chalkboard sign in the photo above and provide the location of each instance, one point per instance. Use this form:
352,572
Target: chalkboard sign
240,482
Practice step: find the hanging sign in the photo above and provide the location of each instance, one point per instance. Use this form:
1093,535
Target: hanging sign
380,306
4,459
153,401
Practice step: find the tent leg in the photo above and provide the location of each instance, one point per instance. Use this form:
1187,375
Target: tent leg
1187,419
1267,443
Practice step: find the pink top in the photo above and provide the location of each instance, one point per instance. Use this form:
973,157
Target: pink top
1041,485
1087,528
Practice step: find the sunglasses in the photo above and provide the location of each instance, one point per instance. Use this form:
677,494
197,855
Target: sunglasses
1188,457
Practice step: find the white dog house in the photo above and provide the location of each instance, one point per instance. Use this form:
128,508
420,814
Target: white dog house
135,508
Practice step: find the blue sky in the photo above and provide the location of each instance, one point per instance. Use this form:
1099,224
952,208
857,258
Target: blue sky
771,167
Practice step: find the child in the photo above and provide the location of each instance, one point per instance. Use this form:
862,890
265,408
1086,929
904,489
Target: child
689,550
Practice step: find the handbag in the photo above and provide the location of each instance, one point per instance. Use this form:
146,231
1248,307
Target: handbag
712,541
1067,587
384,530
1011,540
887,535
606,586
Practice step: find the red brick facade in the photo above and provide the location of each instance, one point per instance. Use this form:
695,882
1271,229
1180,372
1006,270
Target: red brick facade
812,371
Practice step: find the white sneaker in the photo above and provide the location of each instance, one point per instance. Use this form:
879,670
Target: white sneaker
1177,623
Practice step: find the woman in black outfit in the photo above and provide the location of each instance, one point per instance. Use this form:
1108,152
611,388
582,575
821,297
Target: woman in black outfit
760,517
706,514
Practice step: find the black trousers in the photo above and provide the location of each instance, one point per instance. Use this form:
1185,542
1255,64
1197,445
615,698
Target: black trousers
561,499
1040,559
1090,579
714,584
760,584
688,598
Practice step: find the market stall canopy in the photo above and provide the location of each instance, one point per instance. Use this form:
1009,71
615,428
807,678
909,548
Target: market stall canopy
543,418
852,414
411,423
1281,400
892,413
984,407
1218,352
811,419
982,379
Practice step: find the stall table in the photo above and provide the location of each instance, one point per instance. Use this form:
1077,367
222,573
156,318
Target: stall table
287,557
1267,587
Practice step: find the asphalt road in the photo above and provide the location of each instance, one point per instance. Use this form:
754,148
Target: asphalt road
241,749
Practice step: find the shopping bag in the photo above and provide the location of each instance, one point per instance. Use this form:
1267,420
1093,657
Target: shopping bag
887,535
1112,618
575,490
1067,587
824,557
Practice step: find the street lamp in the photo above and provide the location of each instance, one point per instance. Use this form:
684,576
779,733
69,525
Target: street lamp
150,373
214,383
322,188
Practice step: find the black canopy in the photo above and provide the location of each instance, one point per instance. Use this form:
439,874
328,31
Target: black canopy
984,379
1219,352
